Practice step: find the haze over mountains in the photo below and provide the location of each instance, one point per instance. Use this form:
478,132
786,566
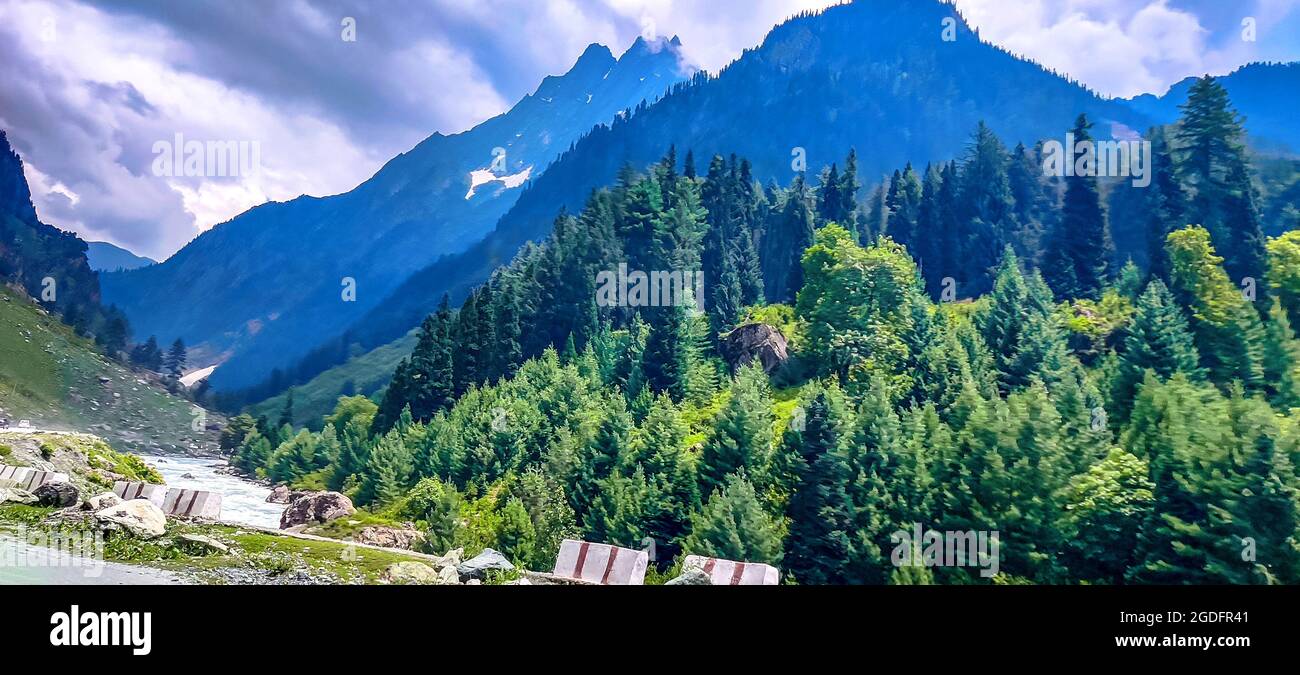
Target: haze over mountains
106,257
1267,94
267,285
264,289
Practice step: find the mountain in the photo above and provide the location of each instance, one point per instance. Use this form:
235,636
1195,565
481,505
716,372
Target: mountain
45,261
256,291
49,264
105,257
1266,94
871,75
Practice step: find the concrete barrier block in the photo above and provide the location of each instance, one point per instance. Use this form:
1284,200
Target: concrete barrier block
732,573
129,490
192,504
601,563
39,478
17,474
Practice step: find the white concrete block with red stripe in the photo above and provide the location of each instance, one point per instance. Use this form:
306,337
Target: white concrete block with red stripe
28,478
601,563
129,490
732,573
193,504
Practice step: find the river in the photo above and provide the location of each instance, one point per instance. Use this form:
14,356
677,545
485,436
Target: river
242,501
27,557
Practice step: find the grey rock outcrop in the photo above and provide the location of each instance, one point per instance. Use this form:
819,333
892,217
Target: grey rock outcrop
756,342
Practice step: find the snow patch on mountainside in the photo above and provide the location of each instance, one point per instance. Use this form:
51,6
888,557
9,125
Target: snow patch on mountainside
483,177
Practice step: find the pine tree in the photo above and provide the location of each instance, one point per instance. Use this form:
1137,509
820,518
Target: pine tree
599,458
741,438
984,209
175,363
386,473
789,233
1280,358
665,361
1075,263
821,523
904,202
1166,203
437,504
1212,162
1227,328
1159,340
1017,325
516,536
734,526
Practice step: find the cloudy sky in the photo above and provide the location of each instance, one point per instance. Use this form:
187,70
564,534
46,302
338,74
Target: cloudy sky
91,86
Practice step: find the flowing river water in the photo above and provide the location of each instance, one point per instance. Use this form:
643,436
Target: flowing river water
26,557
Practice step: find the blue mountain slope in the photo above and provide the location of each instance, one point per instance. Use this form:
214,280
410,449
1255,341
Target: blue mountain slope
1266,94
874,75
266,286
105,257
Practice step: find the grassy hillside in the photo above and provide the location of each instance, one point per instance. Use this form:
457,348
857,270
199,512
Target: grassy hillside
59,381
369,373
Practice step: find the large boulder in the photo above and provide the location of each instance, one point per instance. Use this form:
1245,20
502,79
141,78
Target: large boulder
100,502
478,566
409,572
61,495
16,495
317,507
448,576
390,537
451,559
281,494
756,342
140,517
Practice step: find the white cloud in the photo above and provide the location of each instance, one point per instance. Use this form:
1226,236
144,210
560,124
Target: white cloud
85,106
1121,47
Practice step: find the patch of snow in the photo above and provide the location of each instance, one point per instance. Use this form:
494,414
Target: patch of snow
195,376
483,177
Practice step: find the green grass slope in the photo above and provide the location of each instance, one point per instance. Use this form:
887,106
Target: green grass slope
368,374
60,381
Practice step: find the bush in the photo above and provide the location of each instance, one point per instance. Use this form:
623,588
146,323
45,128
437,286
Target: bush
5,450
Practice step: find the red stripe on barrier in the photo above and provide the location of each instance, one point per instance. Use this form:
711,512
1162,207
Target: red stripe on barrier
708,566
737,573
192,500
609,565
582,560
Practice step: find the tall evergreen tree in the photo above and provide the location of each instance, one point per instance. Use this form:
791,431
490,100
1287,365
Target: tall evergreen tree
741,438
1075,262
1158,340
821,520
1212,162
734,526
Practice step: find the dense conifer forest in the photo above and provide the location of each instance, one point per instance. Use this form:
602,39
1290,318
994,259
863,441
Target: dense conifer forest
1101,373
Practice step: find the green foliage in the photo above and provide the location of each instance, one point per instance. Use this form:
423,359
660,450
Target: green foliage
734,526
1104,512
437,505
1140,431
741,437
1227,328
856,303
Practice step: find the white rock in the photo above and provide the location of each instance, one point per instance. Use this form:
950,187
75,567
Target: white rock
140,516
